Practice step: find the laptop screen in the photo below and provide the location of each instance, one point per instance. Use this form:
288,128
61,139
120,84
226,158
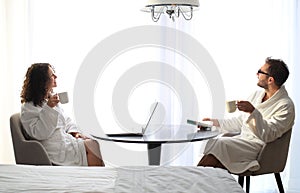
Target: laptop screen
151,115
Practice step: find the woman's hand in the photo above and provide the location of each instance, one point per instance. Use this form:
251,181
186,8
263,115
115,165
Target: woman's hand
215,121
53,100
78,135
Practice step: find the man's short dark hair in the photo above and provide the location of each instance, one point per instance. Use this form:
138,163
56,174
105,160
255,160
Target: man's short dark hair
278,70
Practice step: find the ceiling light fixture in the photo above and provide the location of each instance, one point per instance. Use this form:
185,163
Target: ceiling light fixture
171,7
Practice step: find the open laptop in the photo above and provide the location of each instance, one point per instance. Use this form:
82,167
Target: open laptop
135,134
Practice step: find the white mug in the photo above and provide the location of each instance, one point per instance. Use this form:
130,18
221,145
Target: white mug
63,97
231,106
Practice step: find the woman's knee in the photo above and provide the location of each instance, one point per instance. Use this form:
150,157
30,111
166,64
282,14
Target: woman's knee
91,144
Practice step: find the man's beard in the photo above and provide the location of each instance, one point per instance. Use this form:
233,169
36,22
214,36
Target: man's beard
262,85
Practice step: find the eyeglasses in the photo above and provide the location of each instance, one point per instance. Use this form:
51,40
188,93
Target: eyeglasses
262,72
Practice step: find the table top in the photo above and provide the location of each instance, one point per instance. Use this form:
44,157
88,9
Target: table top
165,134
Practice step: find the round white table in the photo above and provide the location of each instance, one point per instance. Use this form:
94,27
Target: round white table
166,134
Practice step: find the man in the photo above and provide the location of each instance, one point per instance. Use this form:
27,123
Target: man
267,115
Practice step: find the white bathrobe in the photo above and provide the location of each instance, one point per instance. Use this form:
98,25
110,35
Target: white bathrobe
270,120
51,126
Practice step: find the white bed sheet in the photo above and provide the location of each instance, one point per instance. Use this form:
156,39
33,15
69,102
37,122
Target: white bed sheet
164,179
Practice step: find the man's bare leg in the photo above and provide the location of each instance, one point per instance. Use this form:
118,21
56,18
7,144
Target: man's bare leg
210,161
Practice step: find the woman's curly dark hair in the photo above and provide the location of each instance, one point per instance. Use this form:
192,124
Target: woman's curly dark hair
35,84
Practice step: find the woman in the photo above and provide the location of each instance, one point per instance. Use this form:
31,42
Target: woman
44,120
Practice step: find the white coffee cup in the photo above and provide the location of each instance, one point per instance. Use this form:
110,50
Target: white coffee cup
63,97
230,106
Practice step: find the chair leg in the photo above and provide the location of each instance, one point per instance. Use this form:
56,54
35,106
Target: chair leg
279,182
241,181
247,184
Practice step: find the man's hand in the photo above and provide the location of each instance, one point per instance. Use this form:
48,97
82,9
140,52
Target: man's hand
215,121
245,106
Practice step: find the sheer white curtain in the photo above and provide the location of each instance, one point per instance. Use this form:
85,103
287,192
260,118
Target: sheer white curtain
243,35
239,35
13,60
293,177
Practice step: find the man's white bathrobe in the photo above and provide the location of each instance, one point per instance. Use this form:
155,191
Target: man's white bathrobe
51,127
270,120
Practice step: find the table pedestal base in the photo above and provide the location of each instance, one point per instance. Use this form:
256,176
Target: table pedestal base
154,151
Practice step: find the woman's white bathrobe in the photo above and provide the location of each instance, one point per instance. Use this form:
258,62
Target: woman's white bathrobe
51,127
266,123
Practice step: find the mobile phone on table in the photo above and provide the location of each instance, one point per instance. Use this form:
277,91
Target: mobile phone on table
202,125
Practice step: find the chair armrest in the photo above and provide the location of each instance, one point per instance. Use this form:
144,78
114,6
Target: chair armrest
33,153
273,155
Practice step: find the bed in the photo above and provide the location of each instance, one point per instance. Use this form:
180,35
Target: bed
163,179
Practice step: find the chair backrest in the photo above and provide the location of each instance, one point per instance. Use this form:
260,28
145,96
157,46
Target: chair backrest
273,156
27,151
